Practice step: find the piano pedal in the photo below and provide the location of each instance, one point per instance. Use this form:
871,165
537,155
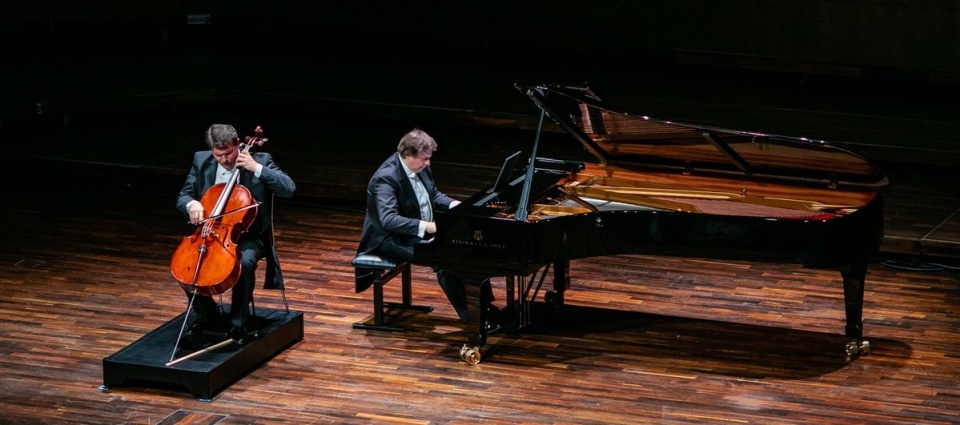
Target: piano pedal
856,348
471,355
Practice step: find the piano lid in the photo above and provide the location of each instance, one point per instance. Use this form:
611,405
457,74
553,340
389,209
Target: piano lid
627,140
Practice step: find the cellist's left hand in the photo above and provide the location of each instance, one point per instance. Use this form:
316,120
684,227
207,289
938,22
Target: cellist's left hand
246,161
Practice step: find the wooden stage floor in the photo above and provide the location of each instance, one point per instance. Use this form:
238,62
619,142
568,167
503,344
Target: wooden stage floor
84,272
84,263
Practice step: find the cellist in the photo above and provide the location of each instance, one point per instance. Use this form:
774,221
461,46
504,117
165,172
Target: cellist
263,178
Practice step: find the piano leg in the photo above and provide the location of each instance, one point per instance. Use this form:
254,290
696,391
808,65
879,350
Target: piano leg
516,313
473,286
561,282
854,276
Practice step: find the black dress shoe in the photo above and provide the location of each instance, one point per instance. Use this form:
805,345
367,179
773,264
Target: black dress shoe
239,335
203,324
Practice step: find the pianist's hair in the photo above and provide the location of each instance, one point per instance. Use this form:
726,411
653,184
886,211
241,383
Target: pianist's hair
416,142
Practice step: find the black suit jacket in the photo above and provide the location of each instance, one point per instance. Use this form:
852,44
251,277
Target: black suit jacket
272,181
392,207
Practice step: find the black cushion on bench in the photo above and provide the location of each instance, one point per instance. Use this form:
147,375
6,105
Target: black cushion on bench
368,268
370,261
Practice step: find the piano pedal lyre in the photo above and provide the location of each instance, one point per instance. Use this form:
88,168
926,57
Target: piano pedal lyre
469,354
857,347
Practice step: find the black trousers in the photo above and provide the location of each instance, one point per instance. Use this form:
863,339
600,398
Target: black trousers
449,282
250,252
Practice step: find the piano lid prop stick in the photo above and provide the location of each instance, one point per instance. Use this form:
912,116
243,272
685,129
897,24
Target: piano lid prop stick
521,214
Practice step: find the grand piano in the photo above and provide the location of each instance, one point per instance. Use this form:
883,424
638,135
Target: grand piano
657,187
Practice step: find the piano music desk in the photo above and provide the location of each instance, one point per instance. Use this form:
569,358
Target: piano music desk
371,270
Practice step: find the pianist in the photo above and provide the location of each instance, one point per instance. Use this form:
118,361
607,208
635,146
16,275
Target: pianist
401,198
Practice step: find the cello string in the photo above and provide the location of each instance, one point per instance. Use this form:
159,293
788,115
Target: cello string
214,217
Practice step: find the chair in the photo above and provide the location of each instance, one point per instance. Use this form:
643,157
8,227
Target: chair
371,270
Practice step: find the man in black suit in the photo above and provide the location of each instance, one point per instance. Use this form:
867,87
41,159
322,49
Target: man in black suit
401,198
263,179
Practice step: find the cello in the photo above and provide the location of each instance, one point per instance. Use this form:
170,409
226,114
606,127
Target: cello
206,262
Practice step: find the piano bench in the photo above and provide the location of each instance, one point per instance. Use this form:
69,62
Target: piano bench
371,270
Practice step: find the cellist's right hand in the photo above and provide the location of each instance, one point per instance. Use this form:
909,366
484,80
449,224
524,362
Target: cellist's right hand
195,212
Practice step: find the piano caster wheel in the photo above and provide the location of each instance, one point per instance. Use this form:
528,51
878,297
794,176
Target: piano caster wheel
471,355
856,348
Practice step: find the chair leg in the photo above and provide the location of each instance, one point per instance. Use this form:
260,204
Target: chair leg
256,321
381,277
378,308
406,296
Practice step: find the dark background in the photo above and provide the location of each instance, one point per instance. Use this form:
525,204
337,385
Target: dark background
878,75
131,86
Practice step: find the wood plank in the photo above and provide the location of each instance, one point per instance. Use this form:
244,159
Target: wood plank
643,339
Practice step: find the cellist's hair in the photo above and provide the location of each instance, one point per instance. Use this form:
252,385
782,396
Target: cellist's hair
221,136
415,142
